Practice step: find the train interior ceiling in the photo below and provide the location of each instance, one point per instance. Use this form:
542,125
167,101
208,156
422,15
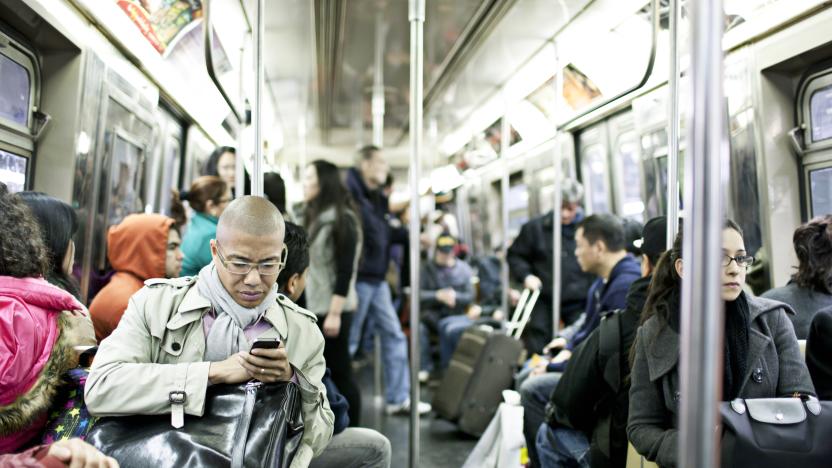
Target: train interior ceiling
108,105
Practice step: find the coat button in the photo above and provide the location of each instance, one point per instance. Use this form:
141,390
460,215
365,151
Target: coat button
176,346
757,375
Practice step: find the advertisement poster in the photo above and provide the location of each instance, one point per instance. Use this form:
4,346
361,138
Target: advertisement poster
163,22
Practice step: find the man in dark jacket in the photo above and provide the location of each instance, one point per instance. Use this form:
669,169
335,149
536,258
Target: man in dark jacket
374,300
587,413
600,250
530,263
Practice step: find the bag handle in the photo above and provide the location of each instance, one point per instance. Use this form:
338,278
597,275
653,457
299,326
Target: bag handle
525,315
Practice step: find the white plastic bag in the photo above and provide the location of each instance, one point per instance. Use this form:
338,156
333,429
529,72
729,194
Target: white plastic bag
502,441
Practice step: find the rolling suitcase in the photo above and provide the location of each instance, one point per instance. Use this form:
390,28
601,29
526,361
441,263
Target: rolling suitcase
482,366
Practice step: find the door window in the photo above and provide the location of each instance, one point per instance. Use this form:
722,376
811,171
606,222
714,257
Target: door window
15,93
820,186
125,178
632,205
821,109
13,171
595,171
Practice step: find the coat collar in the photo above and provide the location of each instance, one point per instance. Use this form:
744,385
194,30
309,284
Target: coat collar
663,343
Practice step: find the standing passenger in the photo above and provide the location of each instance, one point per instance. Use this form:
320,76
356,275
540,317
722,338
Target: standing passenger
761,355
810,288
530,262
208,197
334,252
142,247
374,298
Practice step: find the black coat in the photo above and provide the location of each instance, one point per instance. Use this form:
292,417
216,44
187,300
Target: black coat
531,253
593,394
819,353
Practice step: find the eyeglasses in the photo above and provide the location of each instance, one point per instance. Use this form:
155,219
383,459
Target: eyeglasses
743,261
244,268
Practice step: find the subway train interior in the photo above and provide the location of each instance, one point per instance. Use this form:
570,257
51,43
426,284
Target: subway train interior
483,113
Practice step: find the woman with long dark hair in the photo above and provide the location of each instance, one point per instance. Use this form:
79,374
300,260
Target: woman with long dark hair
58,224
761,354
334,246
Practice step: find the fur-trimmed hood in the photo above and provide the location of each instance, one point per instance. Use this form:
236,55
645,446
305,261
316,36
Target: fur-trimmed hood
35,350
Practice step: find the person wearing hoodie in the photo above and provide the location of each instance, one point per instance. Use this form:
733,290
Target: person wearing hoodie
375,303
208,197
36,339
761,357
600,250
591,400
142,247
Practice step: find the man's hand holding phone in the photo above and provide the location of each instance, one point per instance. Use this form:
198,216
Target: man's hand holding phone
267,361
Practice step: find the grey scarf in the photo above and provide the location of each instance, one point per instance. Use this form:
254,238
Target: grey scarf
226,336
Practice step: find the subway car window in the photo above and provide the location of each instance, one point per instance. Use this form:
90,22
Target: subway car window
13,170
15,93
820,181
595,170
632,205
821,112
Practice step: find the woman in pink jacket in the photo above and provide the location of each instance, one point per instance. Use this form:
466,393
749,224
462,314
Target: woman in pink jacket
36,335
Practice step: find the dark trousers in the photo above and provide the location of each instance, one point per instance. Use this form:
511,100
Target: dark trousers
337,355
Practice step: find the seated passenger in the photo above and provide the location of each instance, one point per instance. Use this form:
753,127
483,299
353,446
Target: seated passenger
208,197
761,354
36,336
350,446
600,250
142,247
232,301
530,263
445,294
334,252
58,224
810,289
818,352
589,403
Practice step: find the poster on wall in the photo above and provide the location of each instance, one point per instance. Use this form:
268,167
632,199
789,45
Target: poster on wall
163,22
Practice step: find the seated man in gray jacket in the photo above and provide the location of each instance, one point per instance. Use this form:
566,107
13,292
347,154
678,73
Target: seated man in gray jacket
446,292
182,335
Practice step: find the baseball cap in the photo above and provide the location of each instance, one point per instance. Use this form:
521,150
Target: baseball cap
653,237
446,243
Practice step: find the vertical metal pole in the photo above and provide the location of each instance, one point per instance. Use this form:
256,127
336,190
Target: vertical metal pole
505,143
673,126
377,102
557,240
239,170
259,37
702,306
416,16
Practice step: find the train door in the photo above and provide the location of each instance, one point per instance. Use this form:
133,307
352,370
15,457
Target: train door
19,93
165,166
815,111
125,134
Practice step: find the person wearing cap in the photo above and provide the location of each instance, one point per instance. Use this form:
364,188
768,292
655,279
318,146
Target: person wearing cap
446,294
587,412
530,263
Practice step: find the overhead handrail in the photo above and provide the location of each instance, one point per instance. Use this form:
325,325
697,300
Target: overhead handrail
648,72
208,41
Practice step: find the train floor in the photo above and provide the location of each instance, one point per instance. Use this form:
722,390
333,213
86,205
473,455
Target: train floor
442,444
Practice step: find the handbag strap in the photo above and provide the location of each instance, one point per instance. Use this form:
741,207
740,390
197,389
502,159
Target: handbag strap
238,454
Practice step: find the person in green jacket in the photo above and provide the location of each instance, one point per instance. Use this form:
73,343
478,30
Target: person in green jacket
208,196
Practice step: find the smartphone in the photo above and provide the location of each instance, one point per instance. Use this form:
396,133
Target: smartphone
266,343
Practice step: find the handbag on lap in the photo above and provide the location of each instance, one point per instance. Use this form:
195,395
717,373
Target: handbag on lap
249,425
777,432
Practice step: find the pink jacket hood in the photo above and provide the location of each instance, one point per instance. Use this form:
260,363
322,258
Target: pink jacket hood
29,311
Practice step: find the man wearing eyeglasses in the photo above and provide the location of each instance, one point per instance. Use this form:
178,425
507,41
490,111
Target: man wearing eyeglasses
181,335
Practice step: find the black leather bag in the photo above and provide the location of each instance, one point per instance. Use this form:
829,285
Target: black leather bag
249,425
777,433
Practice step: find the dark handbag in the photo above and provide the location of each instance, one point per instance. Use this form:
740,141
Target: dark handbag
777,432
250,425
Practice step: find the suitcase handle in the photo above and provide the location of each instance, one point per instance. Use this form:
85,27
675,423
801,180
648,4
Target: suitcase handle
522,313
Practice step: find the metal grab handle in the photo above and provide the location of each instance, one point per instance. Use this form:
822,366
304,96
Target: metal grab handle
208,41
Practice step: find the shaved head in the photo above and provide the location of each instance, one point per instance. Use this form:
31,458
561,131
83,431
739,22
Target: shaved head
255,216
